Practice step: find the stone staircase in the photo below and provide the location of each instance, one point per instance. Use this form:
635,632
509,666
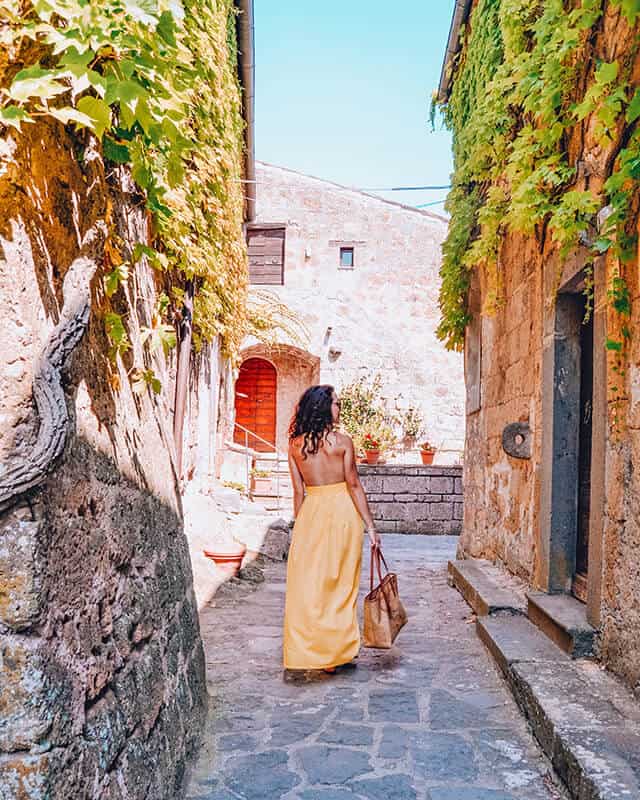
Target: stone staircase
585,720
280,481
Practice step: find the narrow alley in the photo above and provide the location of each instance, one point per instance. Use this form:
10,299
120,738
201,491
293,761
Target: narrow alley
430,719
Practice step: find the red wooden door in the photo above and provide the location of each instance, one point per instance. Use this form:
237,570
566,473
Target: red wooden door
255,403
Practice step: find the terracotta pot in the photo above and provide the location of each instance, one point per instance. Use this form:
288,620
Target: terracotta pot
227,558
372,456
427,456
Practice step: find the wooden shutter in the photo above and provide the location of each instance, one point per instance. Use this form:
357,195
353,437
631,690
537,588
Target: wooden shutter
266,255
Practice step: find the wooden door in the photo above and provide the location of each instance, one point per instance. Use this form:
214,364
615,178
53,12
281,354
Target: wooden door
584,460
255,404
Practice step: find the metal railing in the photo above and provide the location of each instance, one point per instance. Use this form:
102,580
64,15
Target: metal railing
249,453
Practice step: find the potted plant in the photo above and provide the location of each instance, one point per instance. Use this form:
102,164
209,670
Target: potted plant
260,481
411,422
371,448
427,452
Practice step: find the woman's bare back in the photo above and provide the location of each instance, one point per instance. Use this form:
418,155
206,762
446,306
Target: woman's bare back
327,465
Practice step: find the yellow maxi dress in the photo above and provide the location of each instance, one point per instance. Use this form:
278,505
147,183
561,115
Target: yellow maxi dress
323,574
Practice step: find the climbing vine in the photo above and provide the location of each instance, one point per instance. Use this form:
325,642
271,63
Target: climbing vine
526,81
155,82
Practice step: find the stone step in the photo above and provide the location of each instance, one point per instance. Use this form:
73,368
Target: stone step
512,638
485,587
564,620
586,722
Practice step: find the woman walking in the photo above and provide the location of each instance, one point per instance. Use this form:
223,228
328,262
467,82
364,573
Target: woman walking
323,572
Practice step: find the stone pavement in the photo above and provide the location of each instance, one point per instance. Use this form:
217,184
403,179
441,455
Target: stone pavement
430,719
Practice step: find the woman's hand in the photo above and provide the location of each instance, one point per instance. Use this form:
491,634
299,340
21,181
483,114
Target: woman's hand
374,537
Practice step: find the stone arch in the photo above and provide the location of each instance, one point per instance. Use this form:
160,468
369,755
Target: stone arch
296,370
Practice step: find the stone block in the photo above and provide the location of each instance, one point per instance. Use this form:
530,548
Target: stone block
483,587
393,705
277,541
441,485
371,483
457,486
20,596
383,511
25,776
25,719
441,511
331,765
400,484
406,498
458,511
380,498
564,620
512,639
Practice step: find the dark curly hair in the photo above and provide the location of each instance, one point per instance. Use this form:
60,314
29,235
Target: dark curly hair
312,418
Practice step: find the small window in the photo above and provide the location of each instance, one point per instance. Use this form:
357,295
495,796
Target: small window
346,257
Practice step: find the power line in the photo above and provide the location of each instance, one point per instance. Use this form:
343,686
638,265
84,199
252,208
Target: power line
434,203
406,188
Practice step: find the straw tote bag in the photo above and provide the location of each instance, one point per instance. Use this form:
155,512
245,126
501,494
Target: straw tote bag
384,614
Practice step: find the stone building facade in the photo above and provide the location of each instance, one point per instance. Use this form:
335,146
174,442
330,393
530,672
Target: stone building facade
362,275
552,434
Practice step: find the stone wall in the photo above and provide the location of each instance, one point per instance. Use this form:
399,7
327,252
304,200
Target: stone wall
501,492
101,662
380,316
510,504
406,499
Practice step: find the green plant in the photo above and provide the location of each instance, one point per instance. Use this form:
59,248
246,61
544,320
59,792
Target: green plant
260,473
369,443
155,83
411,421
239,487
362,412
427,447
526,78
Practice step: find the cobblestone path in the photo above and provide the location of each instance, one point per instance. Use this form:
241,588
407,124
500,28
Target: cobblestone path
430,719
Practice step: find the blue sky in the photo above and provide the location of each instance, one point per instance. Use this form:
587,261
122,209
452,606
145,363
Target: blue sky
343,91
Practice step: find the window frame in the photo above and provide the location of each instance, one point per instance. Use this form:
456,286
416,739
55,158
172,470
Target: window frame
347,249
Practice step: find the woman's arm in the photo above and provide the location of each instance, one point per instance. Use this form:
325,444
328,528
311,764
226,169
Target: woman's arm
357,492
297,483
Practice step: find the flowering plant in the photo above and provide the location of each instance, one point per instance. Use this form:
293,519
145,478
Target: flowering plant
369,443
428,447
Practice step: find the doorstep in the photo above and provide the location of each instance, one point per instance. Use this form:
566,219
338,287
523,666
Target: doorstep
564,620
485,587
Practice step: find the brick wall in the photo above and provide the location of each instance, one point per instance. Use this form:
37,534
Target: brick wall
414,499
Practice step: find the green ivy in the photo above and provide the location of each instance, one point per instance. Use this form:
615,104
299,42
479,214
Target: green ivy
155,81
519,92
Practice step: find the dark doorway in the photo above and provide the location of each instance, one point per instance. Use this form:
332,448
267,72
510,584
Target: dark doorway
584,458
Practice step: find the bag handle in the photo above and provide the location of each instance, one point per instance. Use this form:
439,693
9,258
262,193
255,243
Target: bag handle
377,557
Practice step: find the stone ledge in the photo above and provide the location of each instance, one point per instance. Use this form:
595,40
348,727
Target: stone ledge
484,587
413,469
593,745
564,620
512,639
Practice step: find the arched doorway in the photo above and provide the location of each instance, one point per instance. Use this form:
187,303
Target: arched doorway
255,404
